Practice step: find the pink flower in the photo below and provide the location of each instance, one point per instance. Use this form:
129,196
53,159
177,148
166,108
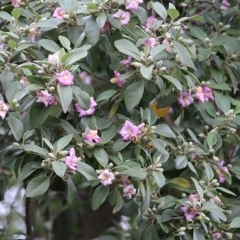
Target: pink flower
65,78
216,200
71,160
141,127
3,109
90,111
189,212
106,177
220,169
129,191
24,82
58,13
216,236
16,3
150,21
105,28
46,98
150,42
194,197
225,5
204,94
91,136
85,77
166,42
126,61
133,4
185,99
123,16
129,131
117,79
54,59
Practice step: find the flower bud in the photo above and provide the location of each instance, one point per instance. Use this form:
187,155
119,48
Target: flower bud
51,155
215,159
16,144
180,234
110,165
184,195
136,64
52,89
64,153
226,26
163,69
181,229
161,205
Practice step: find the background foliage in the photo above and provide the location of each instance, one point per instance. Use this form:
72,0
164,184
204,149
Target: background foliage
130,102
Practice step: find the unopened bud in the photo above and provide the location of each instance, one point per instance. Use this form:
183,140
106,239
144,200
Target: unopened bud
214,181
16,144
163,69
229,235
220,24
180,234
181,229
206,40
136,64
161,205
64,153
52,89
226,26
110,165
215,159
211,150
201,135
51,155
184,195
66,16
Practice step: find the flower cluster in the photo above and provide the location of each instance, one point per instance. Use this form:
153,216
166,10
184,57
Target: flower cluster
202,94
130,132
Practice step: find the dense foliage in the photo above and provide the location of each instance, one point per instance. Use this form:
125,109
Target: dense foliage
137,100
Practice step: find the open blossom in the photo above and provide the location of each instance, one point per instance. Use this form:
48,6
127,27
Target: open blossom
16,3
54,59
133,4
188,212
71,160
58,13
204,94
150,42
225,5
24,82
129,191
106,177
91,136
117,79
185,99
150,21
88,112
220,169
46,98
86,78
194,197
129,131
3,109
123,16
65,78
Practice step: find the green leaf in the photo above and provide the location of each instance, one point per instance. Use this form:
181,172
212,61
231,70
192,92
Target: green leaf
59,168
150,233
194,17
235,223
173,13
106,95
164,130
128,48
174,81
16,126
142,14
147,72
213,208
119,203
181,162
159,178
37,186
198,187
197,32
150,116
34,148
65,42
28,134
211,139
27,171
6,16
92,31
108,134
114,21
159,145
99,196
160,10
208,171
78,54
166,100
49,45
65,94
38,114
133,94
120,145
222,102
184,55
93,59
87,171
60,144
101,20
135,172
101,155
72,191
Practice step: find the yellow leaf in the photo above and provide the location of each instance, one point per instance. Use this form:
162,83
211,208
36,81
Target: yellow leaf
181,182
160,112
